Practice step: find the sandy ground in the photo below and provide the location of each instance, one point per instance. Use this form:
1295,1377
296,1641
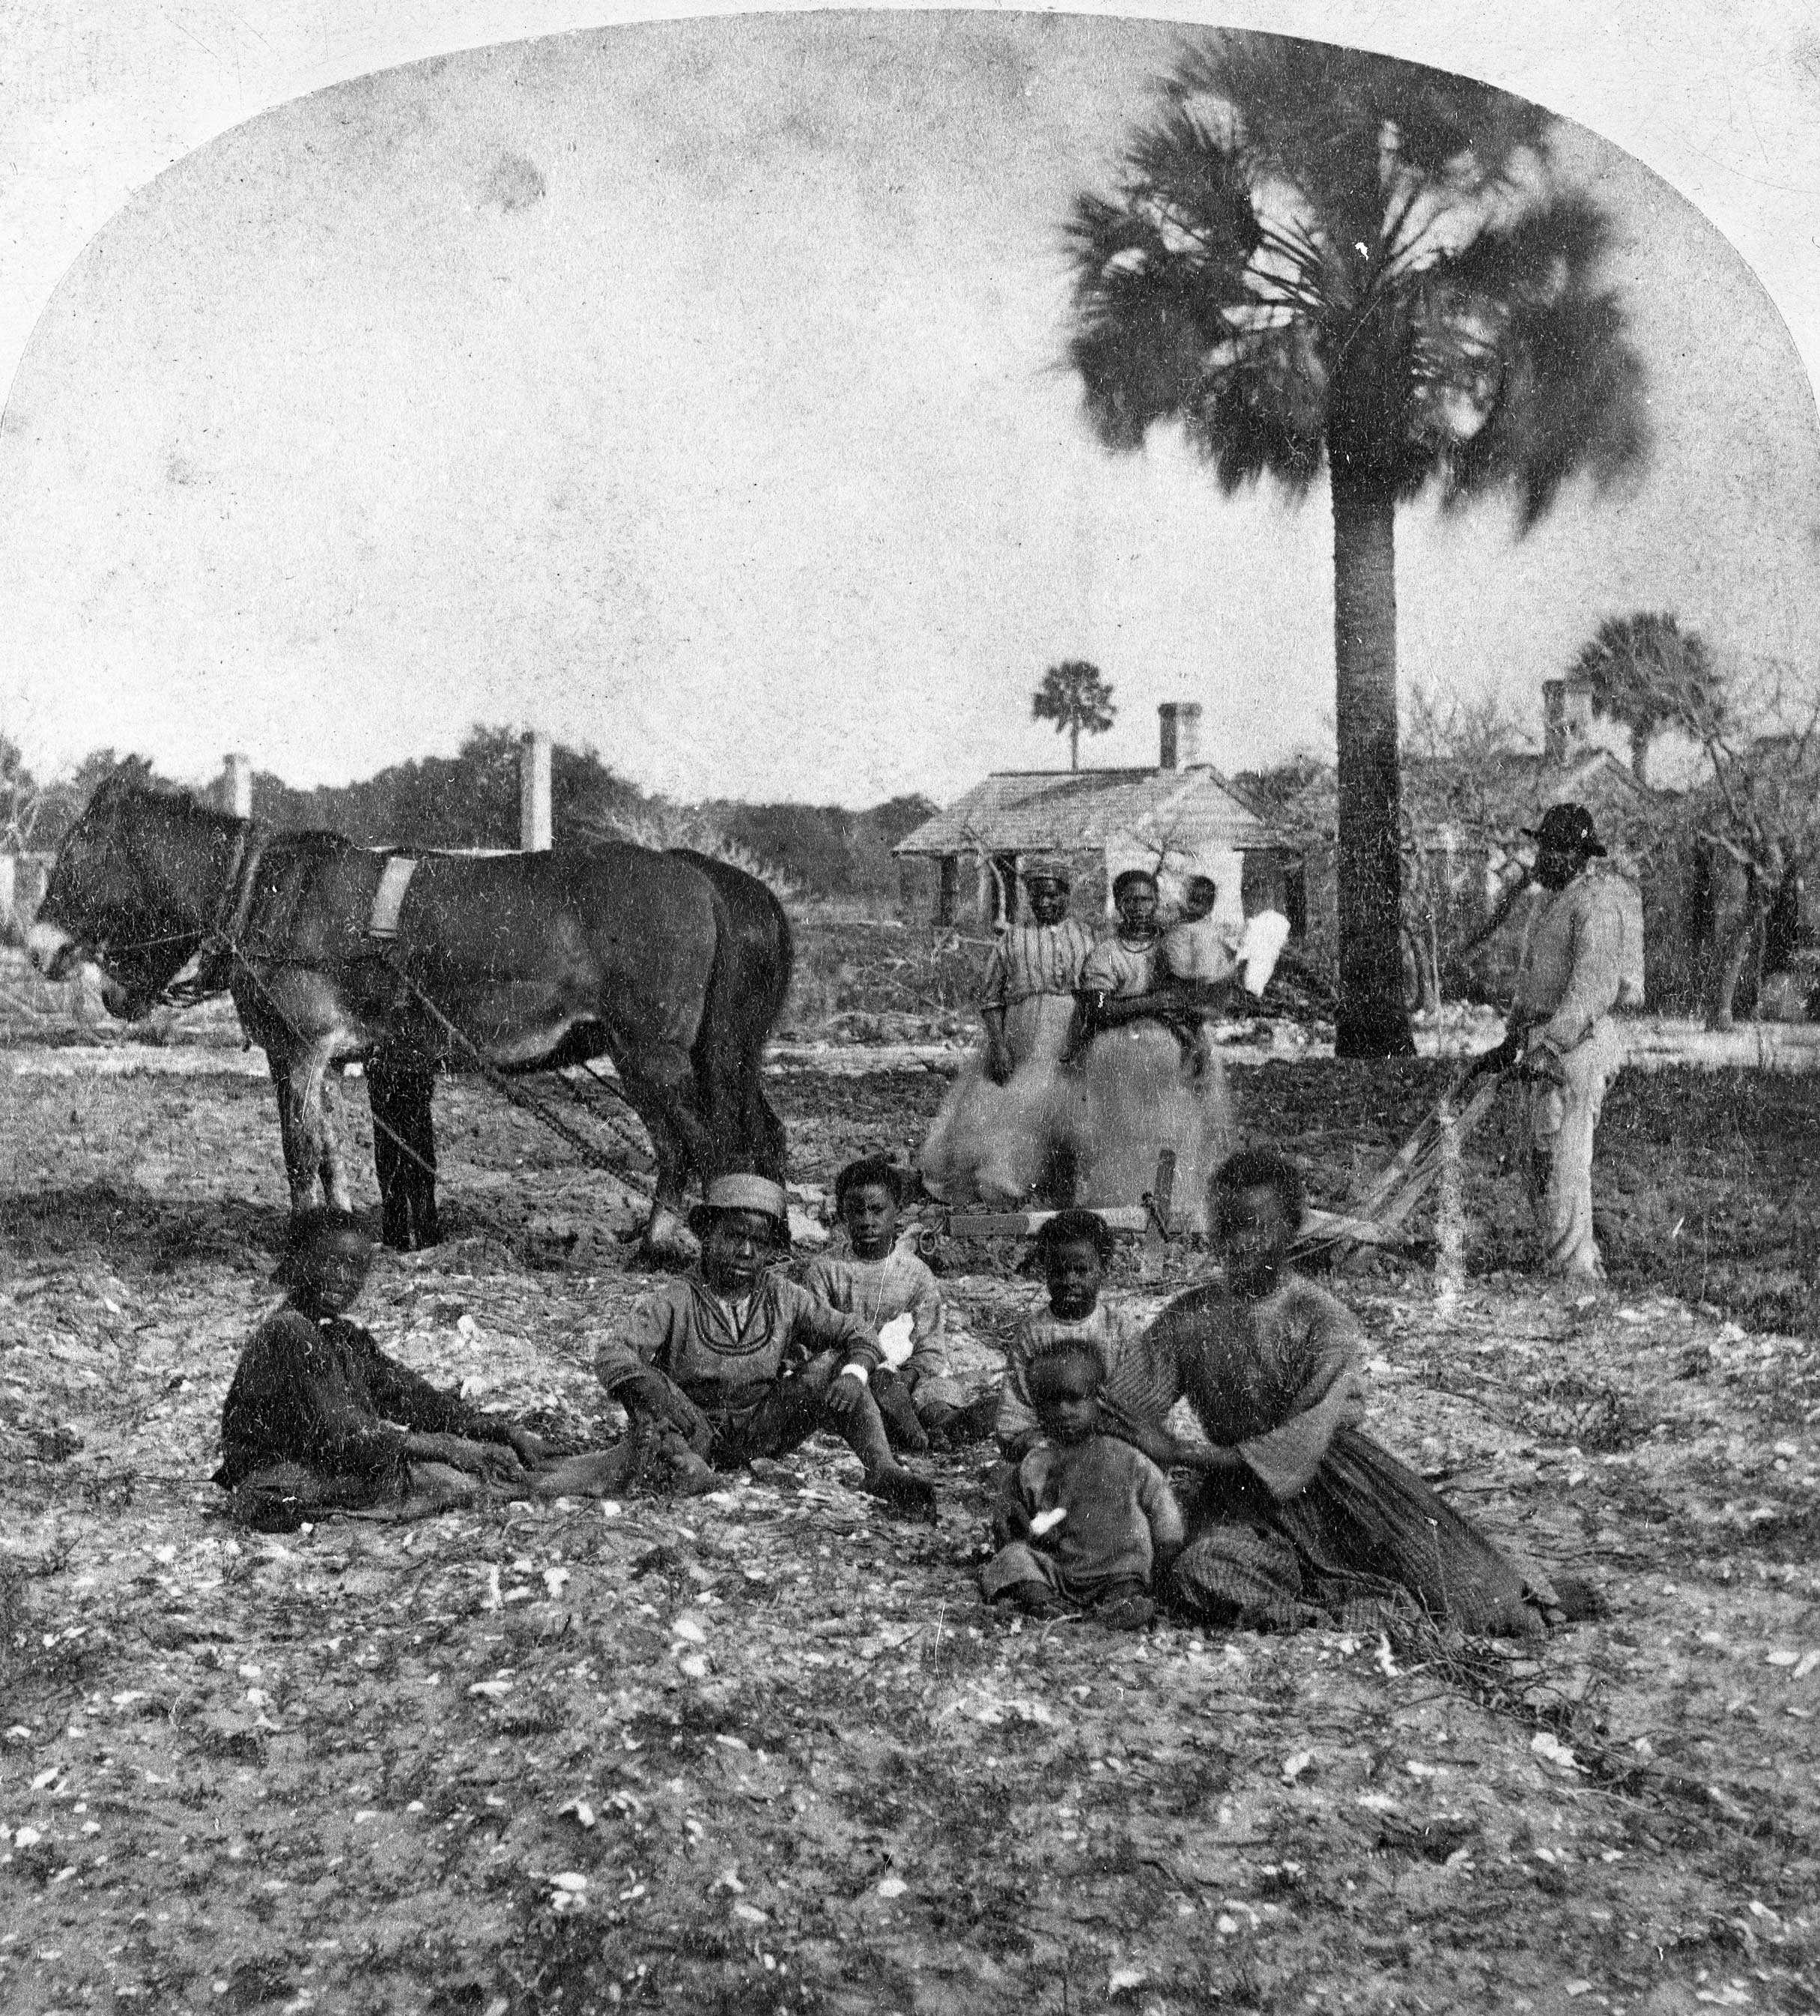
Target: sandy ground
768,1751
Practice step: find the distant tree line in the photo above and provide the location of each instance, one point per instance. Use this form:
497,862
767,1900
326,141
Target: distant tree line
470,799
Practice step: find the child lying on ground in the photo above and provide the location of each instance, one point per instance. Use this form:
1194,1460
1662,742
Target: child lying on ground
1074,1248
1088,1522
895,1296
735,1363
318,1419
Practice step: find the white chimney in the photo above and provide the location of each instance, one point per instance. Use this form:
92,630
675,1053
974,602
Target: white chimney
1180,734
534,793
235,785
1567,720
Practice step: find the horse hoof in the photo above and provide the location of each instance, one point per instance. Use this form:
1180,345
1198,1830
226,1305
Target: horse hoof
671,1250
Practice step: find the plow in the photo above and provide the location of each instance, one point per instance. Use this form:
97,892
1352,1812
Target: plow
1381,1219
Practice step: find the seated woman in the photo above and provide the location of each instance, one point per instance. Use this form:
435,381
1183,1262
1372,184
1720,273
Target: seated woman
318,1419
1299,1513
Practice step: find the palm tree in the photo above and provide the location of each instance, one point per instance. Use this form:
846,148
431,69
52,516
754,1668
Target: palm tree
1076,698
1316,257
1644,672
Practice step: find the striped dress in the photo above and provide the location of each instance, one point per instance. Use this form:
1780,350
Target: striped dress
1321,1517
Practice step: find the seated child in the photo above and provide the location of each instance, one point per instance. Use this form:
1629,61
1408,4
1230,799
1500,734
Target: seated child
318,1419
1088,1522
893,1293
1074,1248
733,1363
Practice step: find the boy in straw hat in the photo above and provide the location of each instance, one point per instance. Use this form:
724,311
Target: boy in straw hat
1026,1002
733,1363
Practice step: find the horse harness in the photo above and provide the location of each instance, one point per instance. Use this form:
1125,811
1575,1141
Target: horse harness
225,948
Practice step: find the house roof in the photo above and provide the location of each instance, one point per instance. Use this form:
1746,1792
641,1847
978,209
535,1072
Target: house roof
1189,811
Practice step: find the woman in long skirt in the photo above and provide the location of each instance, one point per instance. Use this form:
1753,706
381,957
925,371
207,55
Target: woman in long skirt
1299,1513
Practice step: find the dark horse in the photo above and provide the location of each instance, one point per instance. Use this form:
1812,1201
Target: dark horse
400,1083
673,968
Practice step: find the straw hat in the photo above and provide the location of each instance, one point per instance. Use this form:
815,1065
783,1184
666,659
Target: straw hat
744,1193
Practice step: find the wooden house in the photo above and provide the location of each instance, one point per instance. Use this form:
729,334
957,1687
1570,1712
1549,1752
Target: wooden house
1180,818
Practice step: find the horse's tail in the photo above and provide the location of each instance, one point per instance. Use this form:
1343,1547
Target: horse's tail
747,987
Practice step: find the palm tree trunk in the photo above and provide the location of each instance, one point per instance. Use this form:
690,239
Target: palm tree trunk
1372,1020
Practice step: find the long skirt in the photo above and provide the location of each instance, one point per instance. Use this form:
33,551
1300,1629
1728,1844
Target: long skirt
1089,1132
1366,1531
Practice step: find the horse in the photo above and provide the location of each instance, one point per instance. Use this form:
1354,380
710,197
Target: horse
518,963
399,1085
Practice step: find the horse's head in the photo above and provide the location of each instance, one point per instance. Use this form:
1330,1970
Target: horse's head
124,892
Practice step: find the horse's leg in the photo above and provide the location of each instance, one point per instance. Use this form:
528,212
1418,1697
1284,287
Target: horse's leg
312,1151
419,1132
323,1113
299,1161
659,1083
390,1163
771,1146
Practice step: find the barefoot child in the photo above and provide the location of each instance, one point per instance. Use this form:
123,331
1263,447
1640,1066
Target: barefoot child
734,1363
318,1419
893,1293
1088,1522
1074,1248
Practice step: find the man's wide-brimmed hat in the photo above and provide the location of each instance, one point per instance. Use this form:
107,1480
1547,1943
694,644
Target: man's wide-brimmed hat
1047,868
1567,830
744,1193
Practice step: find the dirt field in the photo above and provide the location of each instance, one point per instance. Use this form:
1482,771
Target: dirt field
770,1753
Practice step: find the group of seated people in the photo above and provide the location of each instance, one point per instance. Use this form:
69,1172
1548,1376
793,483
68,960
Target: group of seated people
1281,1513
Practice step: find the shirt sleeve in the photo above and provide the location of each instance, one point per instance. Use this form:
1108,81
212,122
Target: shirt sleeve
619,1359
1323,1353
820,1279
814,1328
1595,975
928,1337
408,1399
1016,1424
1024,1484
1099,973
1158,1504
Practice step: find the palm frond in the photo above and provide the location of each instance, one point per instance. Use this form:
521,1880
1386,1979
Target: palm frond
1347,125
1263,410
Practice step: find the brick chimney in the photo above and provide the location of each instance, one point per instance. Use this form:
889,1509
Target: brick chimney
1180,738
1567,720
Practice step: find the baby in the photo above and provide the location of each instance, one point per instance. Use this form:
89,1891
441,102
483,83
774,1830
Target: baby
1088,1522
1199,960
1199,947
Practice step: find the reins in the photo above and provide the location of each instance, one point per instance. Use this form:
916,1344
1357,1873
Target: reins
221,938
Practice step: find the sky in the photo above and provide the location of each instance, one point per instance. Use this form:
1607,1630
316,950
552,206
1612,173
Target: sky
691,390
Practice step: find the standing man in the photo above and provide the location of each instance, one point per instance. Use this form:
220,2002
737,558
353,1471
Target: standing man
1560,1030
1027,1003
